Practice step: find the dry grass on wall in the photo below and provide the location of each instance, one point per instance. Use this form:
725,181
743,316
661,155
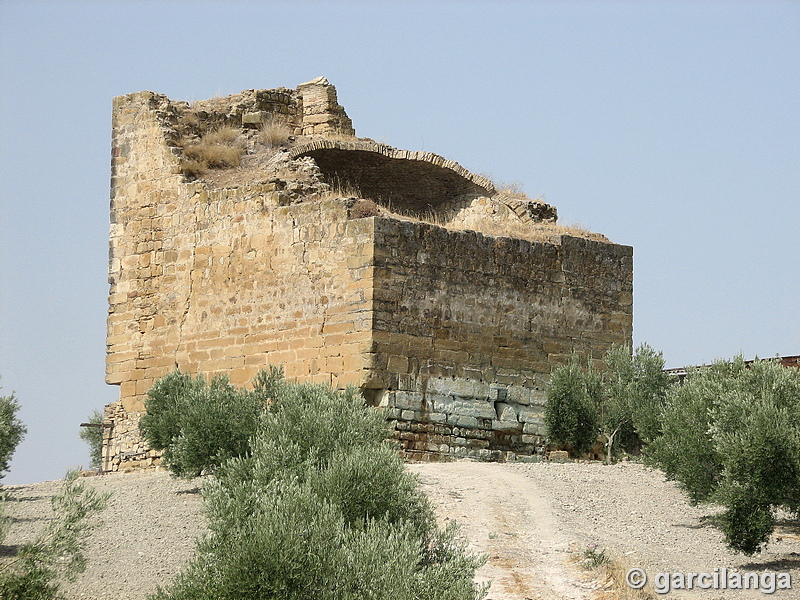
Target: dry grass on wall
490,225
220,148
275,132
513,228
543,232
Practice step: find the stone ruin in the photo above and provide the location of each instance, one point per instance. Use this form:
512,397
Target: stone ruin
445,300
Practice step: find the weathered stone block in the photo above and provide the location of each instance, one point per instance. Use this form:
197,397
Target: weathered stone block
462,420
532,428
458,387
506,425
506,412
436,417
455,405
253,119
480,409
393,413
408,400
440,403
525,395
531,414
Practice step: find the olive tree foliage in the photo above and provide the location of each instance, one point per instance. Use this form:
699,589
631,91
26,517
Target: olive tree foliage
319,506
39,567
731,435
624,400
570,413
12,431
93,436
200,424
633,395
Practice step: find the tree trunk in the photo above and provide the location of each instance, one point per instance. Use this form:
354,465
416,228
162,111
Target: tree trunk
610,445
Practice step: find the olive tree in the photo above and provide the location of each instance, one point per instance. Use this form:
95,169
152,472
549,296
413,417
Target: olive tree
731,435
623,400
12,430
318,505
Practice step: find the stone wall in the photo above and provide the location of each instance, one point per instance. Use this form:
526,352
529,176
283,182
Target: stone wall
240,283
454,332
467,328
322,113
219,280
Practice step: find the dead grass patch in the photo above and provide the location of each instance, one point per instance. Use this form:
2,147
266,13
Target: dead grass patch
544,232
512,189
364,208
532,232
343,189
275,132
191,118
341,136
610,575
220,148
192,168
222,136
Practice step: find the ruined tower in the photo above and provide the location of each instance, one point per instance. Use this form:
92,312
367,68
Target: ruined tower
257,229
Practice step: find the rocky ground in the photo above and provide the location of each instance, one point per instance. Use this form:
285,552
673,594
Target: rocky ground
531,520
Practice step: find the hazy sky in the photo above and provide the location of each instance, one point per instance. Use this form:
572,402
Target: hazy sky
672,127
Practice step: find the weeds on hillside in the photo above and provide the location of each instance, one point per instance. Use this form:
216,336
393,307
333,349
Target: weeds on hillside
610,573
57,552
594,556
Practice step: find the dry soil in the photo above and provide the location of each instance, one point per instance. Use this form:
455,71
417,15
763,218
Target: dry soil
533,522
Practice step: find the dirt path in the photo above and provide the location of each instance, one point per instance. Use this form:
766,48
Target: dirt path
504,515
530,519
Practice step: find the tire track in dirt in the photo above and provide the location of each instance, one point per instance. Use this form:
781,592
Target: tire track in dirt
504,514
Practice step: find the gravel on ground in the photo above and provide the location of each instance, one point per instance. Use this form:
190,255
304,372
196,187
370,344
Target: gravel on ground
144,537
532,520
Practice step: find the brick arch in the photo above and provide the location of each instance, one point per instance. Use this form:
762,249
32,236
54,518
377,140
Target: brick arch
409,181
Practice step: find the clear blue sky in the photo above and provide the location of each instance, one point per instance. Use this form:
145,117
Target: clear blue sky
673,127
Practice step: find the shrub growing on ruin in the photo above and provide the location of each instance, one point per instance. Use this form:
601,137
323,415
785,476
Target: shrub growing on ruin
12,431
219,148
731,435
93,436
39,567
322,508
